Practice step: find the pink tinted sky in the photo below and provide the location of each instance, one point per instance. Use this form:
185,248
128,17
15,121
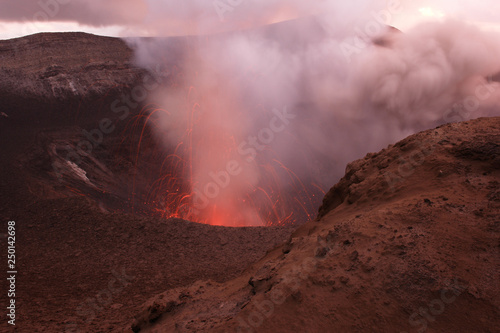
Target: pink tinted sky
181,17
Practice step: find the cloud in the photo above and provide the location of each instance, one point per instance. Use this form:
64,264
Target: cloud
194,17
345,103
85,12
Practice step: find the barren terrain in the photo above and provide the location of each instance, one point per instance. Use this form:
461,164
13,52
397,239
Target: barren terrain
417,253
406,241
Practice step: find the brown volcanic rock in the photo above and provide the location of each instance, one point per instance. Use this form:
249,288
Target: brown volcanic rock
83,270
53,78
83,264
408,238
407,241
59,65
54,88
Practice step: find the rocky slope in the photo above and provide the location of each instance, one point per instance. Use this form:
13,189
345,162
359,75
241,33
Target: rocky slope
59,65
55,77
83,270
407,241
56,89
85,257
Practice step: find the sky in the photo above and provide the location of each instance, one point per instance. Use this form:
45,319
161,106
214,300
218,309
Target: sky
123,18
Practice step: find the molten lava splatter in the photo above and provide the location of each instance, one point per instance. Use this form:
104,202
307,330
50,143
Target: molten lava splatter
205,178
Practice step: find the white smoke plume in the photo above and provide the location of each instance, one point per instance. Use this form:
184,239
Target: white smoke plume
259,113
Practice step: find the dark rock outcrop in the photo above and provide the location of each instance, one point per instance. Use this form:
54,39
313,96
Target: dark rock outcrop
51,76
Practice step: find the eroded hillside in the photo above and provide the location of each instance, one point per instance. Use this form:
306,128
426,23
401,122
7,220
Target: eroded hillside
407,241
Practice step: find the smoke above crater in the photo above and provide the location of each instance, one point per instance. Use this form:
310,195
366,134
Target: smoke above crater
261,121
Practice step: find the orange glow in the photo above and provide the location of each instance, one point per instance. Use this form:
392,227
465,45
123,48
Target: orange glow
284,13
198,179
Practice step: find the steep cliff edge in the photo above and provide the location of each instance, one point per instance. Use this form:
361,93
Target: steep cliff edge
60,65
407,241
52,76
78,238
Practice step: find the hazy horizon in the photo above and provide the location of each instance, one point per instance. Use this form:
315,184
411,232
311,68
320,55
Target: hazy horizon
133,18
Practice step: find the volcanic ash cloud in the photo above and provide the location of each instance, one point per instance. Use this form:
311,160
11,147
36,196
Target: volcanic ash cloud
225,91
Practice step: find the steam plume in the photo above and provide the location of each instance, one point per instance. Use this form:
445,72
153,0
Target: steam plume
264,116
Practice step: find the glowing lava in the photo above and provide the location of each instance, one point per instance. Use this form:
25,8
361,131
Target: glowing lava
214,175
222,168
